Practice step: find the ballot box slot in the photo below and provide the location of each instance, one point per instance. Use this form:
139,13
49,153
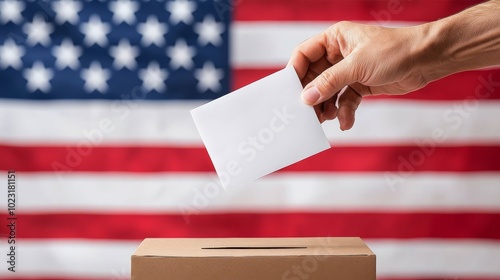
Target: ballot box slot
253,248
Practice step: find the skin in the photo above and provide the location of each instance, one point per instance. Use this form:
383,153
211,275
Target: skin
350,60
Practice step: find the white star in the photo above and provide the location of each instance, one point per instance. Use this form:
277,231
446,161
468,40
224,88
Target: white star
153,78
181,55
38,77
124,55
209,31
123,11
38,31
67,11
95,78
11,10
152,32
95,31
181,10
209,77
10,55
67,55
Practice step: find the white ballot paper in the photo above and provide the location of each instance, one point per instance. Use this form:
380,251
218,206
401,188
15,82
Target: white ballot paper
259,128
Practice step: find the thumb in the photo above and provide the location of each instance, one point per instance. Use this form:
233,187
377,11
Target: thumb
328,83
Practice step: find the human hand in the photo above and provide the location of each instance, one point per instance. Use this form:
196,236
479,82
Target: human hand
369,60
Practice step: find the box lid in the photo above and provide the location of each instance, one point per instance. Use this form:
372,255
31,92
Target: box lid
245,247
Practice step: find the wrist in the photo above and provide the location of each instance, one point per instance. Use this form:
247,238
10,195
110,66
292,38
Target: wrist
465,41
433,53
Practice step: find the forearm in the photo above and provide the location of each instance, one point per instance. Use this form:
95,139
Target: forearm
465,41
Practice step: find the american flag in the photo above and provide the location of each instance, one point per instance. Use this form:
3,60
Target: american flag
94,120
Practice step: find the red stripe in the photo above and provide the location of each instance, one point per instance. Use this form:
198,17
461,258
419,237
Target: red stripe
336,10
365,225
337,159
481,84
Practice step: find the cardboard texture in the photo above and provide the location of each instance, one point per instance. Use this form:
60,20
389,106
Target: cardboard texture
343,258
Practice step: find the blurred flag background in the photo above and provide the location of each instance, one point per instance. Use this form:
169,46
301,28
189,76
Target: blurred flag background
94,119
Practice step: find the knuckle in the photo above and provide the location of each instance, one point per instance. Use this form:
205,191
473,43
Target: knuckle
342,24
327,82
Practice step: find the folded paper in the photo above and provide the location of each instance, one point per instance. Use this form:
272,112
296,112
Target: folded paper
259,128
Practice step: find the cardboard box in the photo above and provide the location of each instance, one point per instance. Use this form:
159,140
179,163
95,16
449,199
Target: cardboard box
253,258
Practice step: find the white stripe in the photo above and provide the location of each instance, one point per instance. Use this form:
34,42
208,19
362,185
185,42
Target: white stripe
98,122
181,193
420,123
395,258
396,122
264,44
427,258
260,44
71,258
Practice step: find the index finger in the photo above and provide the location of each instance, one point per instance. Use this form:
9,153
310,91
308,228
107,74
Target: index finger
310,51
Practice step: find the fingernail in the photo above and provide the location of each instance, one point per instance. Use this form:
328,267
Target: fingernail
311,95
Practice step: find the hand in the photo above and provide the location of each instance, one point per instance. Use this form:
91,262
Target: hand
369,60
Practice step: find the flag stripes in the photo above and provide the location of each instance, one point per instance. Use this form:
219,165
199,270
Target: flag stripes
418,177
169,192
398,259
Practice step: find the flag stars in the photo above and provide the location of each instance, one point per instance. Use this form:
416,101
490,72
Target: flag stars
10,10
10,55
124,11
38,31
181,55
95,78
181,11
67,55
152,32
209,31
153,78
67,11
124,55
95,31
209,77
38,77
120,52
